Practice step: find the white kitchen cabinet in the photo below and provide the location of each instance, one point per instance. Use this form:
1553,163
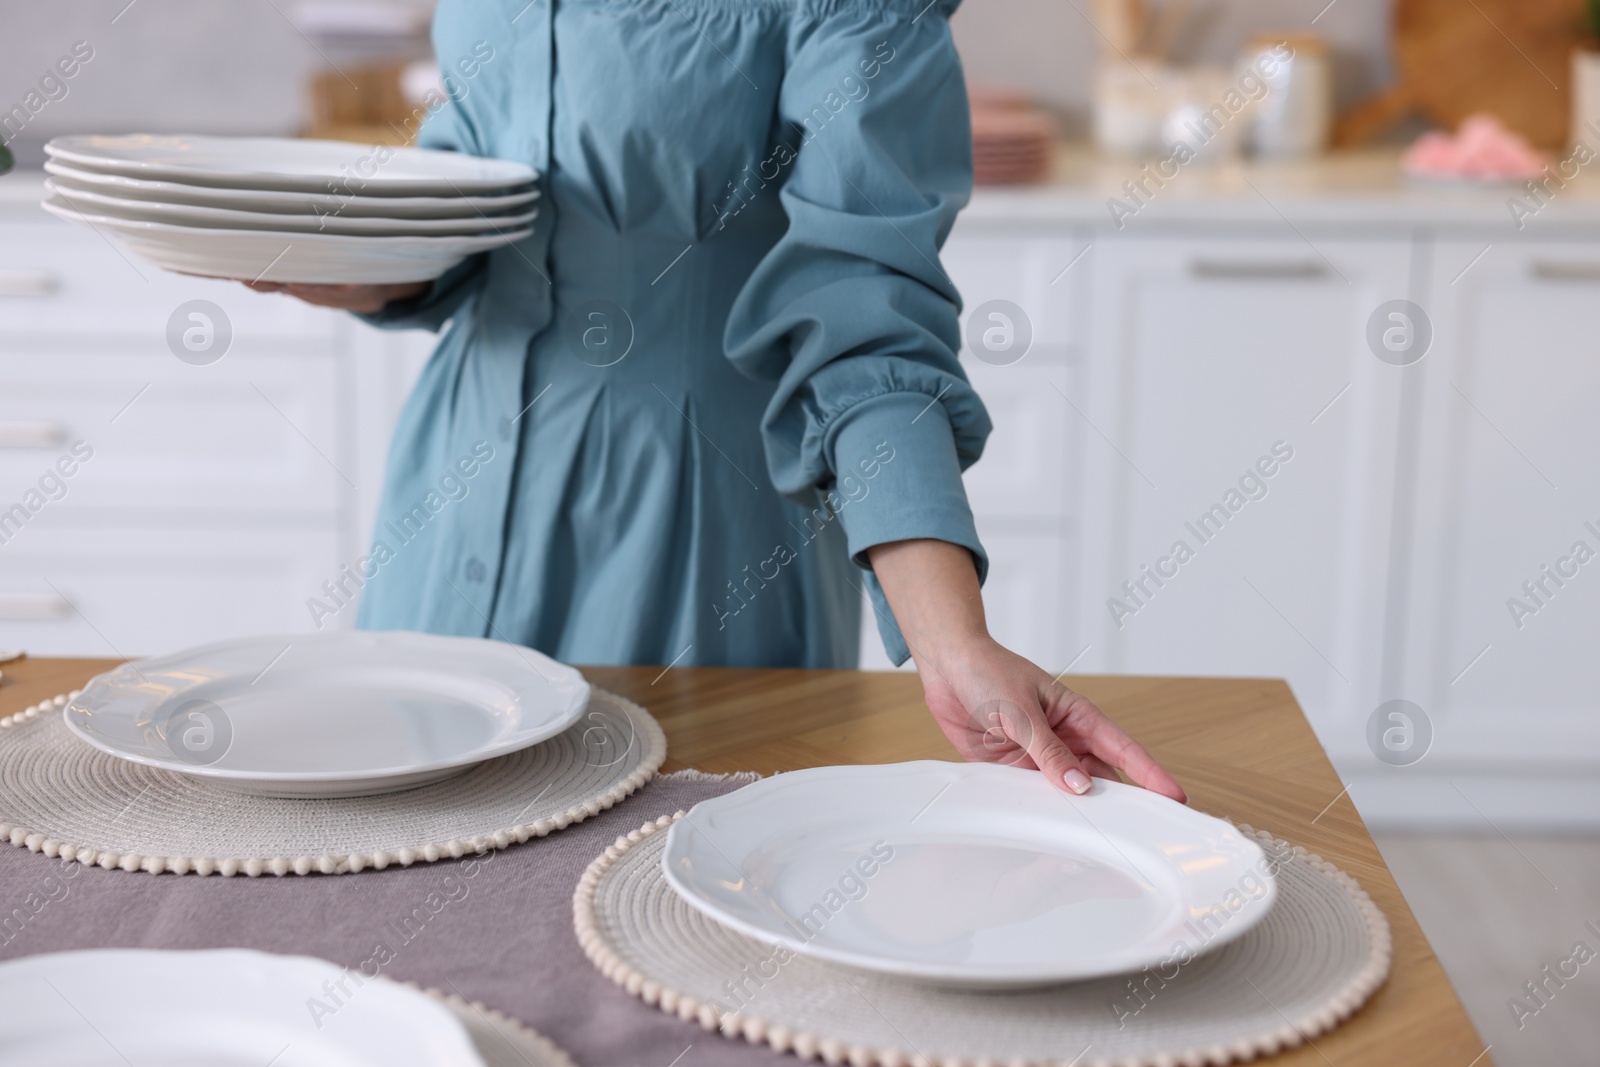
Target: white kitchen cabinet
59,280
129,591
253,432
1022,490
218,497
1031,269
1241,414
1381,561
1500,636
1024,470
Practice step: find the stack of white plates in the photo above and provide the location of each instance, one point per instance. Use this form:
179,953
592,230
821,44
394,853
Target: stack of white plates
288,210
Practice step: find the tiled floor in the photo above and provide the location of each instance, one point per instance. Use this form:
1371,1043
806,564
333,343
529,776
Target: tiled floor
1498,912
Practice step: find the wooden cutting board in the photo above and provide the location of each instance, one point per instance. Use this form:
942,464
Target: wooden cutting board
1511,58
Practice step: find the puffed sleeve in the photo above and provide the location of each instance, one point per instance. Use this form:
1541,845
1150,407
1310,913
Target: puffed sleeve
851,311
447,129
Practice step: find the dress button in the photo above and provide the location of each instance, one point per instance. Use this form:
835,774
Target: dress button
475,569
504,426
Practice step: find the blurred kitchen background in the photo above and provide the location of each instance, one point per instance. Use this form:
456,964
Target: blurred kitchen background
1264,278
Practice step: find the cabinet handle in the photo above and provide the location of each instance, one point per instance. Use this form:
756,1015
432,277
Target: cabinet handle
28,283
1257,269
32,434
1557,271
32,607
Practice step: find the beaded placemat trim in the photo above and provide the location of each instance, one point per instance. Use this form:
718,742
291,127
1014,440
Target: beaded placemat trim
38,840
757,1030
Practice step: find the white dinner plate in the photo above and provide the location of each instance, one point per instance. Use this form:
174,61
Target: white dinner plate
329,714
217,1008
226,218
395,207
289,164
967,875
262,255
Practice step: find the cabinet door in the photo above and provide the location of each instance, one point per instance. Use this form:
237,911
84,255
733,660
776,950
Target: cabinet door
137,592
1504,550
250,433
1237,411
1017,309
1020,490
61,280
1024,266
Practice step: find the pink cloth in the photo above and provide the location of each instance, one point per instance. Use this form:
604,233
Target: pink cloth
1482,149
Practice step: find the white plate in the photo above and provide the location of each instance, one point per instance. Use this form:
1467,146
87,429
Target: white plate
967,875
330,714
258,255
225,218
290,164
395,207
218,1008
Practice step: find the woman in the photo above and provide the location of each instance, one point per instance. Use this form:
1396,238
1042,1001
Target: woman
716,394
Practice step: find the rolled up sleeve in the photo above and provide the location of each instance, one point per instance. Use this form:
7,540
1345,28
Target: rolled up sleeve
851,311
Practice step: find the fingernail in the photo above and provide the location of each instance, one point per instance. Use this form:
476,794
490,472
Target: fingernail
1077,781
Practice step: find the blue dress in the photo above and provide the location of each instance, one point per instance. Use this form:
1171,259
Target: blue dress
666,426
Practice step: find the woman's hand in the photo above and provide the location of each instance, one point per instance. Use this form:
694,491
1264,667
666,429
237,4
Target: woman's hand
360,298
992,704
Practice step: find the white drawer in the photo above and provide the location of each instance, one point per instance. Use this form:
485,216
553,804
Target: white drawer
146,592
250,432
57,278
1031,273
1024,466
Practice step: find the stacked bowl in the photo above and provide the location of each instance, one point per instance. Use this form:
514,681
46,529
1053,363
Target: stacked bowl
290,210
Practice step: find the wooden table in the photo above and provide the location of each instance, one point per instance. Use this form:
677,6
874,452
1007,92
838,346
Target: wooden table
1241,747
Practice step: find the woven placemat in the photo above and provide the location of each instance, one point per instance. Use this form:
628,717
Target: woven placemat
1317,956
501,1040
62,797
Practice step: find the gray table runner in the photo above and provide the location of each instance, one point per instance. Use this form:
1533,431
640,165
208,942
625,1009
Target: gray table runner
496,929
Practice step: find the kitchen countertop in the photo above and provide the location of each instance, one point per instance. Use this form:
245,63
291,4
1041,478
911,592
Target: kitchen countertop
1361,187
1241,747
